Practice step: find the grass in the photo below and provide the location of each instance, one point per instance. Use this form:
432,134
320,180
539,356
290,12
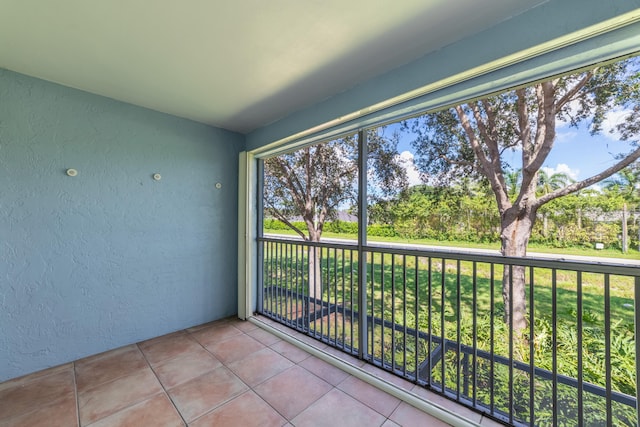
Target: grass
633,253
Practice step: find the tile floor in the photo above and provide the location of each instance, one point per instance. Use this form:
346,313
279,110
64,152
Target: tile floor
225,373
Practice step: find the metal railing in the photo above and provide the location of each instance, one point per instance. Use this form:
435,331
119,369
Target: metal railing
436,318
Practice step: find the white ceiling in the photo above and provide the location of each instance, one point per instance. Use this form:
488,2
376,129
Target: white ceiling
235,64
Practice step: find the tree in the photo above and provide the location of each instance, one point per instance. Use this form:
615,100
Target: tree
626,183
548,184
470,139
314,182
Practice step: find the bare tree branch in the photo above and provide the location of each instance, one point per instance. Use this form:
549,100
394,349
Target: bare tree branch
635,155
568,97
495,179
276,213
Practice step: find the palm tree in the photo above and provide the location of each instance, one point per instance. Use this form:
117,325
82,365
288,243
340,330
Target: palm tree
547,184
512,179
626,183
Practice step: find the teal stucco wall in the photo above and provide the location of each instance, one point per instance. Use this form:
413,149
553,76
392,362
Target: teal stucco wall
108,257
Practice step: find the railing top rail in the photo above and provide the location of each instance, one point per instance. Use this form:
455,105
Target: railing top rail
559,263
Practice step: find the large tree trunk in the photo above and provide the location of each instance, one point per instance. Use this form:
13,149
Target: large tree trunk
315,272
516,225
315,262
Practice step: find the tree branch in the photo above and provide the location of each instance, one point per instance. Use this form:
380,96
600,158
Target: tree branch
567,97
280,217
487,167
635,155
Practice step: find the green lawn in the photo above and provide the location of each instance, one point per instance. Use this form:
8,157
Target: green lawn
633,253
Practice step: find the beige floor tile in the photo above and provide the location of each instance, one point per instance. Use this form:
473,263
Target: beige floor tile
324,370
108,398
290,351
338,409
407,415
24,396
200,395
292,391
371,396
156,411
111,365
235,348
246,410
390,423
154,341
259,366
265,337
170,348
216,333
181,369
35,375
61,412
246,326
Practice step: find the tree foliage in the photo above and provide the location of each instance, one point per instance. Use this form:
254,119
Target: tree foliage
314,182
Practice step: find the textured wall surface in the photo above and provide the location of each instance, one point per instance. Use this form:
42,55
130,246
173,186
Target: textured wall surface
109,257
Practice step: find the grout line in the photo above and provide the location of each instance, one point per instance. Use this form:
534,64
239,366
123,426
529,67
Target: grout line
164,390
75,391
430,408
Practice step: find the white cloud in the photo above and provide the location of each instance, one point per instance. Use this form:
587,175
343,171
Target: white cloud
611,120
413,175
562,168
565,136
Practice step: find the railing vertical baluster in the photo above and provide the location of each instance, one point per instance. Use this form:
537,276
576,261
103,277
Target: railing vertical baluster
511,293
372,305
429,303
293,294
316,265
475,334
532,365
554,340
443,342
404,314
607,343
285,283
287,280
458,335
382,305
579,349
344,302
325,254
305,307
465,374
275,290
351,307
267,275
416,301
335,294
491,337
393,311
283,250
